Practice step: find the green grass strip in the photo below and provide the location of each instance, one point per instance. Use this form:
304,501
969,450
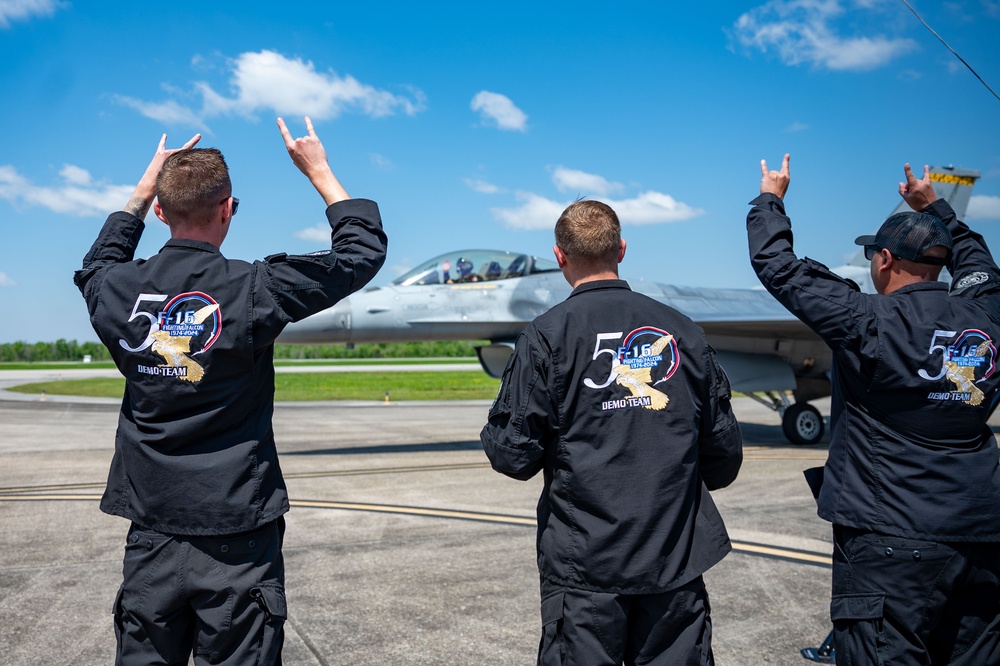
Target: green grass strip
474,385
90,388
375,361
108,365
64,365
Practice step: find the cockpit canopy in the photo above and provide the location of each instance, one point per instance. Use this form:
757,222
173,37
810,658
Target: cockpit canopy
475,266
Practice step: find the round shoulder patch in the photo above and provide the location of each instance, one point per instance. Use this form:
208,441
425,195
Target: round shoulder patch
971,279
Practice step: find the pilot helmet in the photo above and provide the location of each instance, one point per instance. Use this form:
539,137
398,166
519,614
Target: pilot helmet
463,266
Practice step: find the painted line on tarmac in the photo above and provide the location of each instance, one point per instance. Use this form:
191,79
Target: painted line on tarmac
387,470
43,489
770,453
476,516
774,552
18,490
786,457
48,498
299,475
762,550
793,554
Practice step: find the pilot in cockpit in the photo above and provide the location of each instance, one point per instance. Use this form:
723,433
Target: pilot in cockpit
492,271
463,270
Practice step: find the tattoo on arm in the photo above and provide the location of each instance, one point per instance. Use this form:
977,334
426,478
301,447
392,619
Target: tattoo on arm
138,207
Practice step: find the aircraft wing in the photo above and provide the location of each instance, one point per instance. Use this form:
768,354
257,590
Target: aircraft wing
705,305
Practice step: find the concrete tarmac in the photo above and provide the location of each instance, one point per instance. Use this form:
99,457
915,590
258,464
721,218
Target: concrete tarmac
402,545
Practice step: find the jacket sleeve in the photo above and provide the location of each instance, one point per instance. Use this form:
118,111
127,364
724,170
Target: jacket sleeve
828,304
720,443
523,417
974,271
297,286
115,244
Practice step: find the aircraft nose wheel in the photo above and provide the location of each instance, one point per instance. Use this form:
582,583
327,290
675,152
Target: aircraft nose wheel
802,424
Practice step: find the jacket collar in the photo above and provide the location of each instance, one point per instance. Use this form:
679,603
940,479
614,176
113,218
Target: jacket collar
189,244
933,285
596,285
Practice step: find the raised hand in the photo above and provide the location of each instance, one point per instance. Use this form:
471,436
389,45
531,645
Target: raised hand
145,191
917,193
775,182
309,155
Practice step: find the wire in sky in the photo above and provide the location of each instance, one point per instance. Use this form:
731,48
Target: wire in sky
910,7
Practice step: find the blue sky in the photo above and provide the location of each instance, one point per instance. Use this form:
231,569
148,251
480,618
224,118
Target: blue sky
473,124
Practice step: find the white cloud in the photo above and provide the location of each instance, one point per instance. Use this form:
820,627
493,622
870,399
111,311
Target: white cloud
318,234
267,80
652,208
168,113
535,212
954,67
499,109
538,212
805,31
381,161
796,127
21,10
6,281
78,195
482,186
983,207
572,180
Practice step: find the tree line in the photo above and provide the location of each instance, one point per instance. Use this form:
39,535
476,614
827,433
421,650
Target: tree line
70,350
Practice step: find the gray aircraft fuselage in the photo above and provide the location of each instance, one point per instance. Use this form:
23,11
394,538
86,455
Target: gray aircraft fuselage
761,346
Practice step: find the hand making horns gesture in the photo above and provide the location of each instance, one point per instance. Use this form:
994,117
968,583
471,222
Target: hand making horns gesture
917,193
775,182
145,190
309,156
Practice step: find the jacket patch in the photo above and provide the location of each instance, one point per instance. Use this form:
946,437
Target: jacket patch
188,325
979,277
644,359
965,362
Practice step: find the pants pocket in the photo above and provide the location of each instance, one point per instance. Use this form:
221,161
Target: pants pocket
271,600
858,628
550,647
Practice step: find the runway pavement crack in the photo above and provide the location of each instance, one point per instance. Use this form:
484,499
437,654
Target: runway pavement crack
308,642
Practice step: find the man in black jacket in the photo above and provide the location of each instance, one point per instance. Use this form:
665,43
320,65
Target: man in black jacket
195,467
911,484
619,401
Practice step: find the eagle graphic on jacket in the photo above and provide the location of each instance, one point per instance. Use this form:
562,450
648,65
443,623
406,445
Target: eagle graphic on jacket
175,348
637,380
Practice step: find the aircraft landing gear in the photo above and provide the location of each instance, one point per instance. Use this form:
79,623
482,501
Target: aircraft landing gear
802,423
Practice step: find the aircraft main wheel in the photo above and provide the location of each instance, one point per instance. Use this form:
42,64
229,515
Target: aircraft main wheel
802,424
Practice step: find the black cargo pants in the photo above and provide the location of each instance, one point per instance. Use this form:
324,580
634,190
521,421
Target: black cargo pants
909,602
584,628
222,597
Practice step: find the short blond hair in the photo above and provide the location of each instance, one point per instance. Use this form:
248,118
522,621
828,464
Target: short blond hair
589,231
191,182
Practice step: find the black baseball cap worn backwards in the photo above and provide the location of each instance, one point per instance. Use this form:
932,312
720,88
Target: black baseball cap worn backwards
908,235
